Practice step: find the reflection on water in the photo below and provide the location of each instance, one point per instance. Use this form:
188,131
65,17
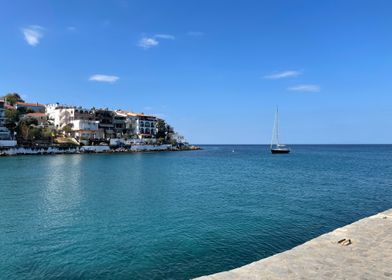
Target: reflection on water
62,190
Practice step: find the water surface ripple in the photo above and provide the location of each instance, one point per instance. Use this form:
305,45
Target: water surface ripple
182,214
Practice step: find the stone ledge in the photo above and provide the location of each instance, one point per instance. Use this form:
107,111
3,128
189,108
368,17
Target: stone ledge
365,252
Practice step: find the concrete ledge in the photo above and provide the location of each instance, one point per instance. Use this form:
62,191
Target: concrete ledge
364,252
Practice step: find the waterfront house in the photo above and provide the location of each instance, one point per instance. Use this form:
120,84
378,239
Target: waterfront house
62,115
145,126
32,107
41,118
139,125
119,126
4,132
105,119
5,136
59,115
86,130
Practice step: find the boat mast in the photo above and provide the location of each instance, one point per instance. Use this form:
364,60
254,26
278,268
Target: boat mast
275,130
277,126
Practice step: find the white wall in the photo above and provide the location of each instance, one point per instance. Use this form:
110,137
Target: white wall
7,143
85,125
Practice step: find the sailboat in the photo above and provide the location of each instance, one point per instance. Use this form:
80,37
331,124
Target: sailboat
277,148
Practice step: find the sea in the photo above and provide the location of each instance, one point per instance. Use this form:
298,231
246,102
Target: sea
179,215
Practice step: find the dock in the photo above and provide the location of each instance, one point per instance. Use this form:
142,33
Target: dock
361,250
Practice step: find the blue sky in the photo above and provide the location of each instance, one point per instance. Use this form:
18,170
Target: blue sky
214,69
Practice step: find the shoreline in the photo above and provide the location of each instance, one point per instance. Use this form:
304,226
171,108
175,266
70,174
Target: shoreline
361,250
98,149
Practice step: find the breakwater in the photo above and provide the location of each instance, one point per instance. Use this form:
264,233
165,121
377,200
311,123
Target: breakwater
361,250
90,149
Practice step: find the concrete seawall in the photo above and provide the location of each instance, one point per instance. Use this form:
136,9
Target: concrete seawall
361,250
92,149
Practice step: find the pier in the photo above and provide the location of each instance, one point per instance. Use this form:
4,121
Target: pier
361,250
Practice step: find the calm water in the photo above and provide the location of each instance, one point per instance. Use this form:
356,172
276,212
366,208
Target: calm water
179,215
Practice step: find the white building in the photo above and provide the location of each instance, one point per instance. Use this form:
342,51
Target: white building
5,137
4,132
59,115
62,115
84,125
86,129
139,125
178,138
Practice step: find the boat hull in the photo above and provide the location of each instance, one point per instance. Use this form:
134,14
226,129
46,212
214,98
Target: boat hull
280,151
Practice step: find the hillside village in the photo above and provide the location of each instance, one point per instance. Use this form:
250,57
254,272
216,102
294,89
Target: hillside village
24,124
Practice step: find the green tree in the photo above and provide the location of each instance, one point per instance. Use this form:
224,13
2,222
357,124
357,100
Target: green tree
162,129
12,98
27,130
67,128
12,117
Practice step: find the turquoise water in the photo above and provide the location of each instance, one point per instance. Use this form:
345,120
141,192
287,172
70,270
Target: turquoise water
179,215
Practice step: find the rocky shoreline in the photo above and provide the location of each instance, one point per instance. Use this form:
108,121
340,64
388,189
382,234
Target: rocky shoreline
53,150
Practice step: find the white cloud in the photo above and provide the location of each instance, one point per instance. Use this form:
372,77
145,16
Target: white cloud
305,88
153,41
283,74
147,43
195,33
164,36
33,34
103,78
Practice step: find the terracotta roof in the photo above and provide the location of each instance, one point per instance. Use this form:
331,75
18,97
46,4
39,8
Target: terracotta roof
132,114
30,104
36,115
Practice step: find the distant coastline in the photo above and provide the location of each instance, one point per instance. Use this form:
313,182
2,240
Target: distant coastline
54,150
34,128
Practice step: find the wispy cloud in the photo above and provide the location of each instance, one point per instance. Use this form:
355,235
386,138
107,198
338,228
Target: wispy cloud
283,74
148,42
164,36
196,33
305,88
33,34
103,78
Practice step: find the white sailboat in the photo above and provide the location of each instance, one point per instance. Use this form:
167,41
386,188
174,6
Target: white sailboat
276,147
